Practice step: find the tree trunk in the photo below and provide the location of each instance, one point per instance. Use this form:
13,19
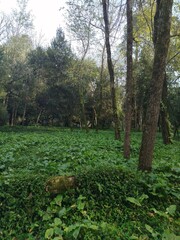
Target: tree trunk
162,38
111,69
11,118
99,107
38,117
135,108
165,123
24,113
129,81
83,111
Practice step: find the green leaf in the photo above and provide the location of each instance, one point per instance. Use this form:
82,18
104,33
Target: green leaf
160,213
46,217
76,232
62,212
57,221
72,227
134,201
103,225
142,197
171,209
80,205
93,227
167,235
81,197
58,200
133,237
58,238
100,187
58,231
149,228
49,233
2,167
176,195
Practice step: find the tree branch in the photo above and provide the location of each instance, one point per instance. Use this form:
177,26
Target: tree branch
172,58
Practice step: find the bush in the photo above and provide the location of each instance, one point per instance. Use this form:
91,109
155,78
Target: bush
21,198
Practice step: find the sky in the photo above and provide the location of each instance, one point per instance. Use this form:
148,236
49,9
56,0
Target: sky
47,16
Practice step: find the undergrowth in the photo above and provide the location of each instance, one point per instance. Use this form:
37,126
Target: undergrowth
112,199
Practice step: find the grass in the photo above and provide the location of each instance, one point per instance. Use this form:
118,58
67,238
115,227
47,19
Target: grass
112,201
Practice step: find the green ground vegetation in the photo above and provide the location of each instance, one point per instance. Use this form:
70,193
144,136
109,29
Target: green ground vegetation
112,200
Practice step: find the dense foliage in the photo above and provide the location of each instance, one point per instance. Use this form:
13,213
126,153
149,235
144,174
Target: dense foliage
67,84
111,200
63,84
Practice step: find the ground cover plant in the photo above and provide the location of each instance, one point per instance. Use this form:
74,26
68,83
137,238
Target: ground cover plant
112,200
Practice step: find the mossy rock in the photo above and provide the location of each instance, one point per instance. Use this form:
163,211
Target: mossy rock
60,184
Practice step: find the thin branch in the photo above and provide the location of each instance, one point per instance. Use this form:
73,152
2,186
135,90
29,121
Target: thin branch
144,15
173,58
175,35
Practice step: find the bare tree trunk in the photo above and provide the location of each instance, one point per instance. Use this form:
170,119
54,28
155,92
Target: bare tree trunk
129,81
135,108
165,123
162,39
83,110
99,107
38,117
84,118
111,69
12,117
24,113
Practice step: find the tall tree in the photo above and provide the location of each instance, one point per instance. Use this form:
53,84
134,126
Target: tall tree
110,68
165,122
162,25
80,14
16,50
129,79
4,25
20,20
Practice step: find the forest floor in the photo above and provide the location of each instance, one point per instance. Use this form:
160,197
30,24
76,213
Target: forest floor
111,201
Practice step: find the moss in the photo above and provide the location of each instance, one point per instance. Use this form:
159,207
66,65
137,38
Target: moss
60,184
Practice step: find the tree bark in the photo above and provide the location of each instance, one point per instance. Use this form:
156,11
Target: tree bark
110,69
165,123
24,113
84,115
100,97
38,117
162,38
129,81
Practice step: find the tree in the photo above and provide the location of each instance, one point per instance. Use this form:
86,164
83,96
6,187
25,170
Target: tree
50,68
172,68
15,83
20,20
144,49
4,25
129,79
80,18
164,116
143,58
162,24
174,107
59,57
111,69
57,104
